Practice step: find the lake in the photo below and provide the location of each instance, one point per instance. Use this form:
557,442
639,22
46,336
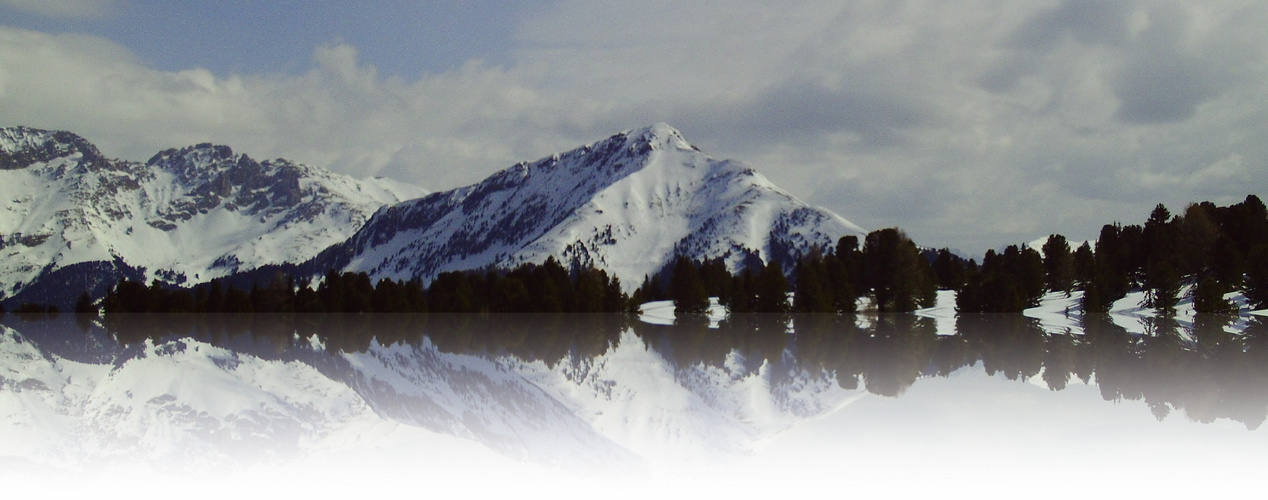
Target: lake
889,404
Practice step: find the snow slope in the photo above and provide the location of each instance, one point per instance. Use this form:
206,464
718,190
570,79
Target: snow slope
186,215
626,204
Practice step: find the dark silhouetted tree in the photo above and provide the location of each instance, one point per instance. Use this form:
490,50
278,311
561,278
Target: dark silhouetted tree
1208,297
84,305
687,288
1058,264
949,269
771,290
899,277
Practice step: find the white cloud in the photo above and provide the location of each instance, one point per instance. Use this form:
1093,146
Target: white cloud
971,124
443,130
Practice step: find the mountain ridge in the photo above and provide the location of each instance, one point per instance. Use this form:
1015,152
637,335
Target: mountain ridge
75,221
72,218
626,204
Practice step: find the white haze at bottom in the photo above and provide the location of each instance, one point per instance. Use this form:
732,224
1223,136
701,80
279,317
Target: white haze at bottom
965,436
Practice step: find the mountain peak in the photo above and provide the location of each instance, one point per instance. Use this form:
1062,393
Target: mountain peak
627,204
659,136
21,147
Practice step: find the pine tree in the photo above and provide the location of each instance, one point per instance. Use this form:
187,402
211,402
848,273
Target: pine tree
1113,264
771,290
743,294
1256,284
1099,294
1058,264
687,288
717,280
1162,285
841,285
590,290
1208,297
1084,264
215,298
813,294
949,269
84,305
900,278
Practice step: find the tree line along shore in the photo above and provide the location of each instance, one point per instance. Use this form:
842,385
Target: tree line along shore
1213,250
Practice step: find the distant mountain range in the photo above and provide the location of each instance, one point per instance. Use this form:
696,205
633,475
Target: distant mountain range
74,221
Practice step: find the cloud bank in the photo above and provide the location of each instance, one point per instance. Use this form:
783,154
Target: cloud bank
971,124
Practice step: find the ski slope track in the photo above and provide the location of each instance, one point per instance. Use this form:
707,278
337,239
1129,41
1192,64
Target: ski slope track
627,204
72,220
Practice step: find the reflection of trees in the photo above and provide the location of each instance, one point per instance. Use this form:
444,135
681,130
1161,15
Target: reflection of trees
900,347
1199,369
1203,370
549,337
1010,344
888,356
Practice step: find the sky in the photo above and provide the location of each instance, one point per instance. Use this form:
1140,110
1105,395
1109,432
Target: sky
970,124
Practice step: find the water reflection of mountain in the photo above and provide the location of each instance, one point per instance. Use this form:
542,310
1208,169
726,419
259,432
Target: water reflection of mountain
579,392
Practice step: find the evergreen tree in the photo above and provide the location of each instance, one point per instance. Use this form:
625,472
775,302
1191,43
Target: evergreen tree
1226,262
358,293
1247,224
771,290
1084,264
388,297
415,296
1029,268
307,300
1161,280
1208,297
614,300
1058,264
687,288
84,305
1113,264
179,300
841,285
743,293
1256,284
1099,294
509,294
643,294
1163,285
591,289
331,292
237,301
949,269
899,276
215,298
1196,235
550,287
813,293
717,279
451,292
849,254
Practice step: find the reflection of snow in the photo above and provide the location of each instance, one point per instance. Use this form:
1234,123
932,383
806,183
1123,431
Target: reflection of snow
662,312
181,405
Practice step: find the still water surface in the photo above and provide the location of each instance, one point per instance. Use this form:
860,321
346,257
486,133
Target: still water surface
217,405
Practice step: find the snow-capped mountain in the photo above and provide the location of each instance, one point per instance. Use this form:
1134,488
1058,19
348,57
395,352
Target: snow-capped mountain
626,204
73,220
